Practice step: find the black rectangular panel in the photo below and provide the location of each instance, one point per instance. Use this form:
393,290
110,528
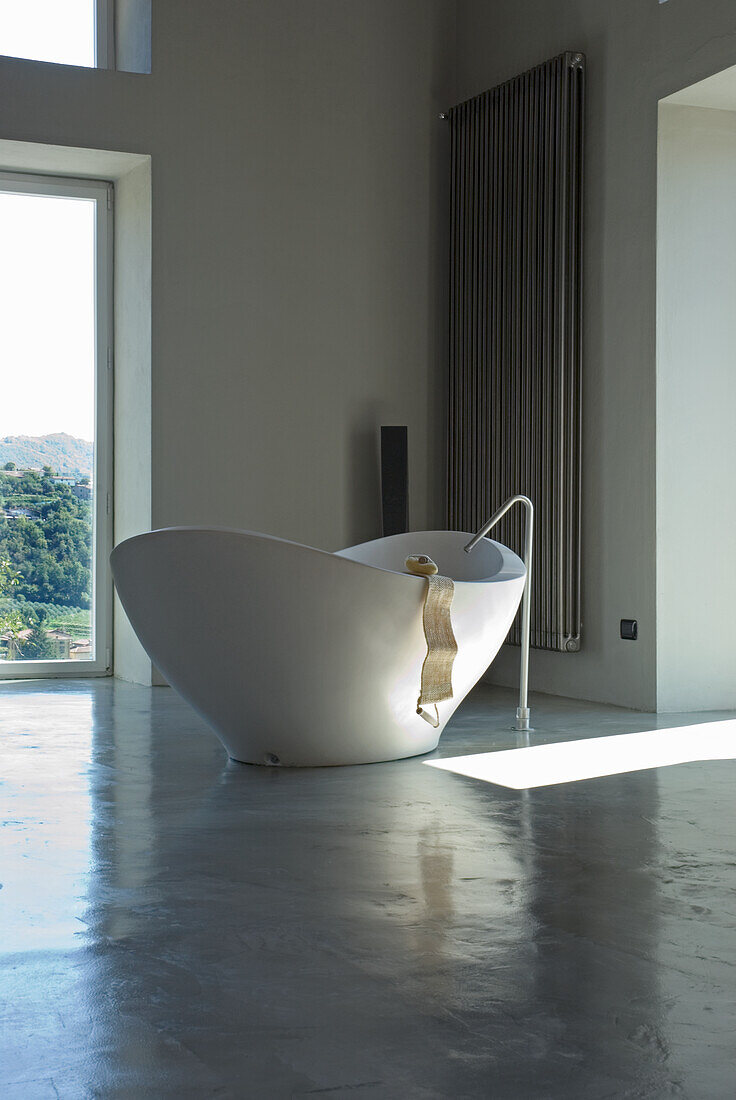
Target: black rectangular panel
394,479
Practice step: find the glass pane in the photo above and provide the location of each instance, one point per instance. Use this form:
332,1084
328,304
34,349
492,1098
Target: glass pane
47,425
49,30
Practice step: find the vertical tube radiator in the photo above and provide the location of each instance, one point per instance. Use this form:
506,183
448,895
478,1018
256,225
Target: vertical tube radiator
516,326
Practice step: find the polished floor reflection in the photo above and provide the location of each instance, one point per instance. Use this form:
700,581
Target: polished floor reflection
174,925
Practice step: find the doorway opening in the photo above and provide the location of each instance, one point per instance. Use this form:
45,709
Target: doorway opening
696,397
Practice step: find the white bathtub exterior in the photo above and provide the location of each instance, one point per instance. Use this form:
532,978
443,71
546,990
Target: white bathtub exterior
306,658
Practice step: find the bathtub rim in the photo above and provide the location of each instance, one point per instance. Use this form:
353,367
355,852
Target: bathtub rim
512,567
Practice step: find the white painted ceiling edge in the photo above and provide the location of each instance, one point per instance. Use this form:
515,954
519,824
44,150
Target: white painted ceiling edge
717,92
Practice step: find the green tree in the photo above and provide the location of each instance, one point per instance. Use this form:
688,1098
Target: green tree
51,550
11,620
9,466
38,646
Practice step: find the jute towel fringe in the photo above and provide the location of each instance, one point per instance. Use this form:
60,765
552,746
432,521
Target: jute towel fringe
441,647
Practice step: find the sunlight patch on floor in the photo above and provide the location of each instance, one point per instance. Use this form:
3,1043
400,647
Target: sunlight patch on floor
593,757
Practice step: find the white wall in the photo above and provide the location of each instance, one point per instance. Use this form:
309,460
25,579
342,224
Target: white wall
696,404
638,51
295,244
132,405
298,181
299,213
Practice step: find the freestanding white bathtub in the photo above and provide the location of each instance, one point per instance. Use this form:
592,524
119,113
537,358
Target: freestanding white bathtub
299,657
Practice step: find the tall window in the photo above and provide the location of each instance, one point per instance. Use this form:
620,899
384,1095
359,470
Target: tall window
71,32
55,426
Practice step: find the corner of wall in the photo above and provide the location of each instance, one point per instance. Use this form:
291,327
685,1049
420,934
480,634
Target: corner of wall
132,416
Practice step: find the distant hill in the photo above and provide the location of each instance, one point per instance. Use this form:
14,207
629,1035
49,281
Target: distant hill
64,453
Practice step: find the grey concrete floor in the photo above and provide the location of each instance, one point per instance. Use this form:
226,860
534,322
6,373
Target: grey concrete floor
175,925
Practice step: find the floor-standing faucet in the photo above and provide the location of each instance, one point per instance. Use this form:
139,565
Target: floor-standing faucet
522,711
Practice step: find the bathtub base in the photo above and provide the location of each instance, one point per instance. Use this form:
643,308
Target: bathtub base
302,763
302,747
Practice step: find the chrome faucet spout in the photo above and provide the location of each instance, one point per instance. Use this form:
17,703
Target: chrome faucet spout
523,712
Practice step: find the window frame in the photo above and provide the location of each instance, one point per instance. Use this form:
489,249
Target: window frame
101,192
104,34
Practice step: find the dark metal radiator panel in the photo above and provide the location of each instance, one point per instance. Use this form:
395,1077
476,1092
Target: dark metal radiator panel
516,327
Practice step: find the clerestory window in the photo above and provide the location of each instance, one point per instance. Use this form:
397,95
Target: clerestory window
69,32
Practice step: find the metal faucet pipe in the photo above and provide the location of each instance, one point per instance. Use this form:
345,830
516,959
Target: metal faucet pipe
523,712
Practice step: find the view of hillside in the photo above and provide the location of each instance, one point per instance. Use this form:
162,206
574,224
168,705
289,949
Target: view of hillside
63,453
45,557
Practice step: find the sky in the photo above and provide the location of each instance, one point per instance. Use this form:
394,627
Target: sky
47,322
49,30
47,275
